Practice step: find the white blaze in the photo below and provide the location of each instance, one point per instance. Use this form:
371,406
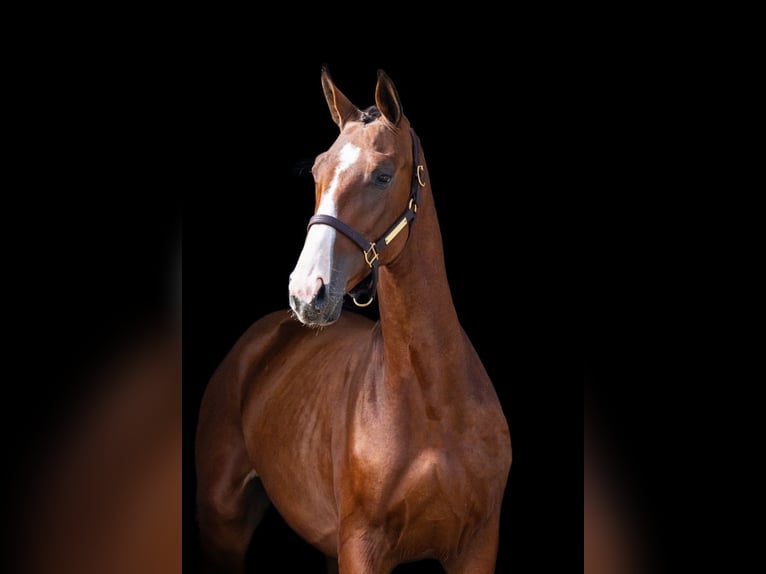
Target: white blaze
315,261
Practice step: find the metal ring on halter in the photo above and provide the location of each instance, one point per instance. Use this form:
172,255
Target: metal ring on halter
420,176
358,304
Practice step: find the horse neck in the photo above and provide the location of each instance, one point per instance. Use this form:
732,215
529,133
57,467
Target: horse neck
422,336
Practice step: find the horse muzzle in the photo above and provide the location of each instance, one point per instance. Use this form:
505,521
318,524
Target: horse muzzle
317,306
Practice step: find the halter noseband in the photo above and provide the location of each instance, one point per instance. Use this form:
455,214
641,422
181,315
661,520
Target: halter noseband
372,249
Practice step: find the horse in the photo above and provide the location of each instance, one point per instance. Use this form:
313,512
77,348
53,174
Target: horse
379,442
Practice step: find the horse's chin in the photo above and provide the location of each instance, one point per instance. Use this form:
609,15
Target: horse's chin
319,324
318,318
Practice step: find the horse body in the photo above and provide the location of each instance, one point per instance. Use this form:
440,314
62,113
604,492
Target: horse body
378,442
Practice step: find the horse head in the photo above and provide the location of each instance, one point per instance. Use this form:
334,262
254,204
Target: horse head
363,182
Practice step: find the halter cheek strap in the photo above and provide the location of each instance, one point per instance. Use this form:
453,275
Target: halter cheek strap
372,249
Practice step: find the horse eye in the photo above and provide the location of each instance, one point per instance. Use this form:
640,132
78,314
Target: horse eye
382,178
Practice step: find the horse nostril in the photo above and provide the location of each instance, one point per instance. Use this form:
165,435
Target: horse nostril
321,293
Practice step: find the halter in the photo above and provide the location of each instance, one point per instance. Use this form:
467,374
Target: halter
372,249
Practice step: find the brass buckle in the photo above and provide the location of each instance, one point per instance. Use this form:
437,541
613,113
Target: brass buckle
370,260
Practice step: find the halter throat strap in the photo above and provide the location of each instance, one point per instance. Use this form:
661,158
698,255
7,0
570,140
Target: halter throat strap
364,293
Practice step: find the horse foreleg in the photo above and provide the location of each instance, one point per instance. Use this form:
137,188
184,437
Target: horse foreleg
226,528
230,497
480,556
355,556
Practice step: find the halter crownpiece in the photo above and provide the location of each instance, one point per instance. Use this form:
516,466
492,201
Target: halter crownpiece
372,249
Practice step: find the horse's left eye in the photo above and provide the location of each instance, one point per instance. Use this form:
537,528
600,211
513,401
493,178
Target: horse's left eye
382,178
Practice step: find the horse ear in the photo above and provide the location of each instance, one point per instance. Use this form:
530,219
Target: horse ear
387,99
341,108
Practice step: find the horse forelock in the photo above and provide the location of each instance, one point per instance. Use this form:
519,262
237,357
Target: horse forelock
370,114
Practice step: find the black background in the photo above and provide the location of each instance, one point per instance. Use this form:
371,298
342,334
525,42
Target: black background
548,164
553,169
506,191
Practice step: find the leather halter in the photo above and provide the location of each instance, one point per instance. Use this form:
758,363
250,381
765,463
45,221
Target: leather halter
372,249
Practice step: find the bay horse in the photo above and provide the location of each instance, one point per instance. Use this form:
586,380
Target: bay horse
378,442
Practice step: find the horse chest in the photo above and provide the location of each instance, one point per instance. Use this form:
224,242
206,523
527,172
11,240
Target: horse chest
416,502
426,480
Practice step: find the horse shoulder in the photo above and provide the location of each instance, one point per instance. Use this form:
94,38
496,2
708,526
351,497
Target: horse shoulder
294,378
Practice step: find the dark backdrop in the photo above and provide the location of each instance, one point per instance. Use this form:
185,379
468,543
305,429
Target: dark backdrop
544,187
505,178
556,162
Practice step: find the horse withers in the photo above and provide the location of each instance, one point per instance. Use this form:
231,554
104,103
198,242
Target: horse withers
379,442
